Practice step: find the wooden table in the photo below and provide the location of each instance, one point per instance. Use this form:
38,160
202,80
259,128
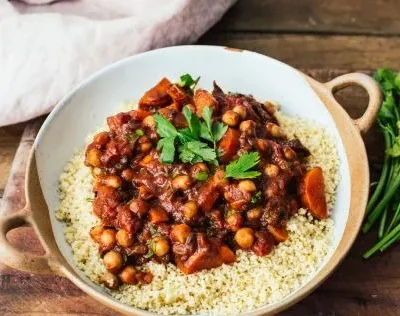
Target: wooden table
324,38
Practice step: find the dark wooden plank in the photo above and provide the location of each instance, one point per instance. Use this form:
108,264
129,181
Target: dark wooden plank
316,51
357,288
314,16
9,139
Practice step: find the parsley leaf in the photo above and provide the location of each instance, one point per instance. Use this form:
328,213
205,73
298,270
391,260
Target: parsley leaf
196,151
193,122
205,132
219,130
131,137
139,132
165,127
191,148
240,168
188,82
208,130
167,145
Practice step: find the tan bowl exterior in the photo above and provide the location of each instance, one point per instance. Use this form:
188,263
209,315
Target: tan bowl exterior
36,213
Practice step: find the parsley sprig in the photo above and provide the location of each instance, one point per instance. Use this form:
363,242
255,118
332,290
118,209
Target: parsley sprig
187,82
241,167
191,141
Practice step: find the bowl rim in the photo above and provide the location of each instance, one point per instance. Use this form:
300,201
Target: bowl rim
354,149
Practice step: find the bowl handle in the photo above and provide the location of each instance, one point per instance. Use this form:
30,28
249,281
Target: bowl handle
12,256
374,93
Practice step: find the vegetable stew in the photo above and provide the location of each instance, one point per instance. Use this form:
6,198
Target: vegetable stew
192,176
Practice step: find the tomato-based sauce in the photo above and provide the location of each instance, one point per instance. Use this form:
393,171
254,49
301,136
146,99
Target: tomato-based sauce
194,193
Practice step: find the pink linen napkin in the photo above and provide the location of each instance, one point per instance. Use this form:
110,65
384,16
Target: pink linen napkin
47,46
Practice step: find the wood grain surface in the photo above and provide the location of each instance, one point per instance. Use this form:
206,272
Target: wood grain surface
325,39
314,16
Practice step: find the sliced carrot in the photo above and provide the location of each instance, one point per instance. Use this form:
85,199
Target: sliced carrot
208,195
178,95
312,190
279,233
227,255
158,215
202,99
200,260
139,114
156,96
229,144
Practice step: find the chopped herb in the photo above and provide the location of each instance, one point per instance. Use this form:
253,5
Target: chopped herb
164,127
167,146
208,130
196,151
188,82
256,197
193,122
191,148
240,168
139,132
131,137
154,231
149,254
89,200
201,176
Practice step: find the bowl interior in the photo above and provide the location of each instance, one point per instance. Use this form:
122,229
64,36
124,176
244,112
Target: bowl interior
87,106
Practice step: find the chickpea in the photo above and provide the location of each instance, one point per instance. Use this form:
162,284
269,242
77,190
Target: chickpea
128,275
160,246
241,111
145,147
113,261
190,209
283,164
244,237
275,131
124,238
93,158
289,153
96,232
112,181
219,178
149,121
97,171
110,280
101,138
181,182
180,233
139,207
248,127
197,168
107,239
234,221
271,170
247,186
231,118
271,106
262,145
127,174
254,214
